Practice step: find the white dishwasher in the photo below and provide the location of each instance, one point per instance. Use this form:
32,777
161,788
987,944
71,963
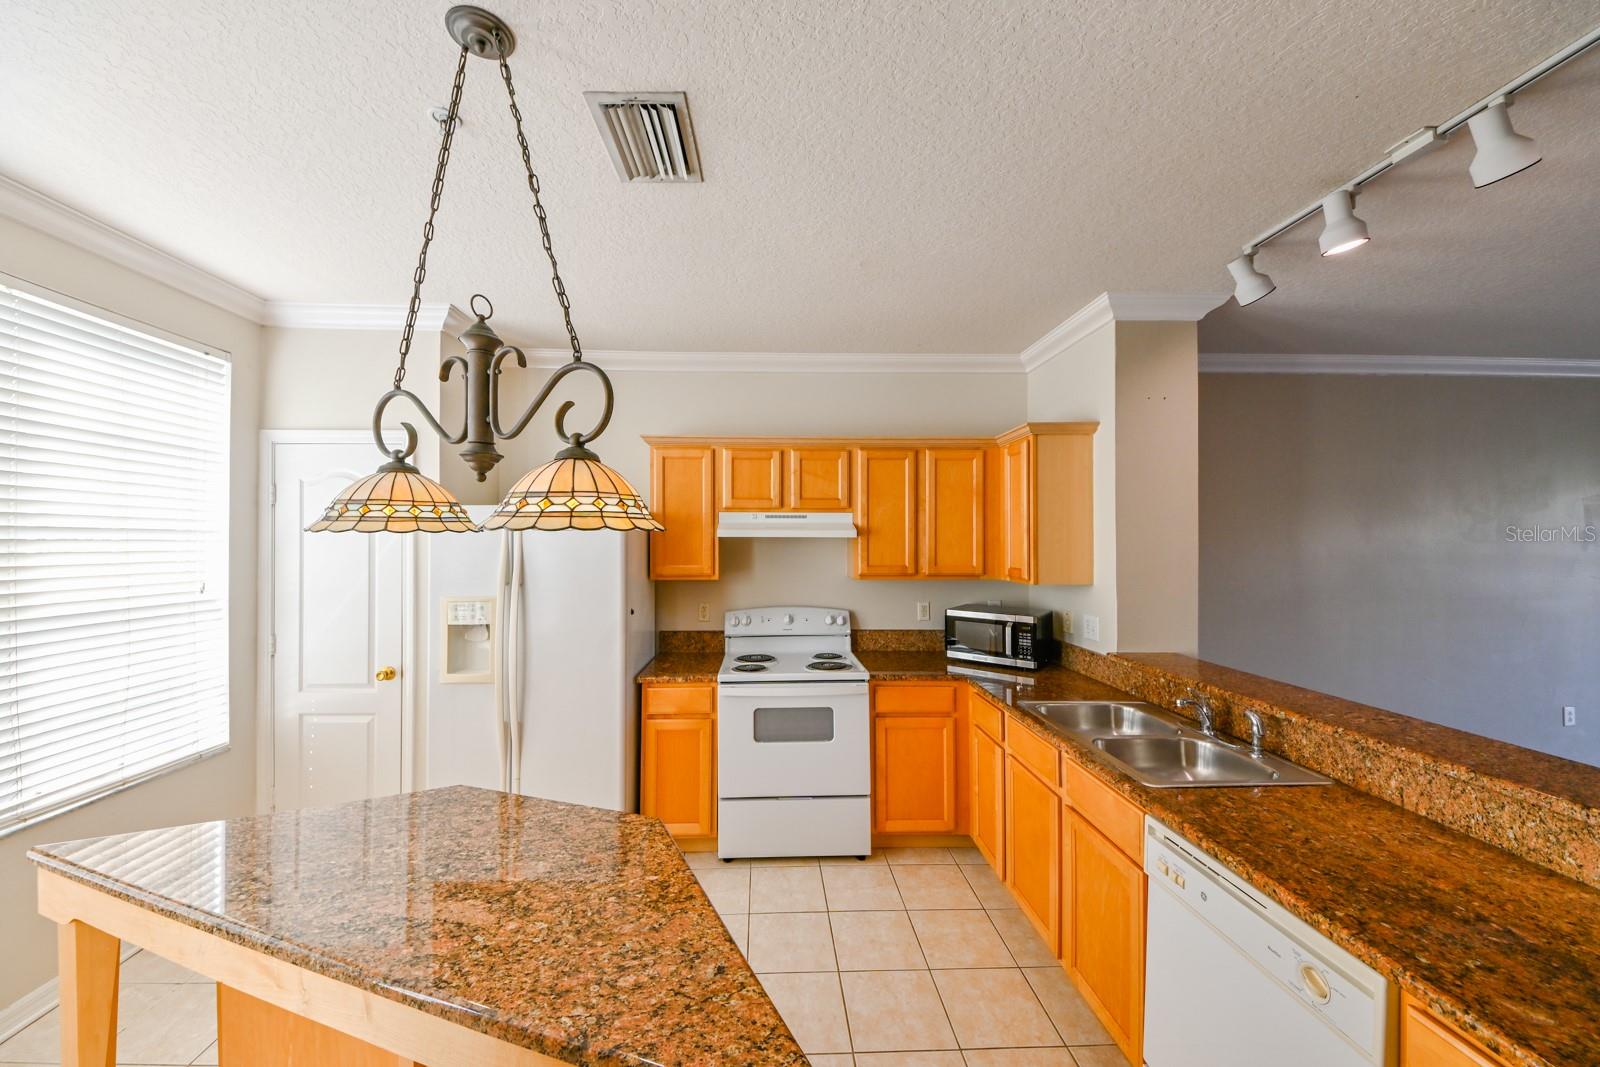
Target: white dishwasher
1234,980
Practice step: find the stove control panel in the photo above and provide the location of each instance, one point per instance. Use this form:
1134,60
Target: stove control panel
766,622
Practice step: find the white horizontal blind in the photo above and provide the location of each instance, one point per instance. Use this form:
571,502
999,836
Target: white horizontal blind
113,556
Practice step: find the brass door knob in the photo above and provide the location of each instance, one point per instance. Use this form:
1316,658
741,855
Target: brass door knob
385,674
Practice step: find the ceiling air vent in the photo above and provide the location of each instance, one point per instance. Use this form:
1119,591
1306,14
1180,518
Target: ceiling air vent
648,135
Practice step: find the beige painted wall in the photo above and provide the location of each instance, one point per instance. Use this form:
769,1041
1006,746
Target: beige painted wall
771,572
223,785
1080,384
1157,520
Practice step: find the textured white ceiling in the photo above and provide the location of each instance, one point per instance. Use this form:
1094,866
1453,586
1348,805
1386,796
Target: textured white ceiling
1510,270
881,175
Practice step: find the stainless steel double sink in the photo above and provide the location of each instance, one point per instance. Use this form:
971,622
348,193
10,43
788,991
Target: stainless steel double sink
1158,749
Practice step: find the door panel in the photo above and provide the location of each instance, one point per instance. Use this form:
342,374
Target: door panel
952,512
1019,510
677,779
988,798
914,774
886,513
1107,918
752,479
682,496
819,479
337,602
1033,848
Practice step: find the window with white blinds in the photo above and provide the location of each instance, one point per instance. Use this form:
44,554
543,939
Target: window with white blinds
113,556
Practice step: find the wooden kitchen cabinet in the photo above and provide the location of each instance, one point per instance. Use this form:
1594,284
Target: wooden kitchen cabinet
752,479
677,757
1428,1041
886,513
1017,562
986,811
683,497
1033,847
1104,911
919,766
819,479
1047,502
953,512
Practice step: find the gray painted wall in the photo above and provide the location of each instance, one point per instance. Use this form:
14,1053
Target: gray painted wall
1353,540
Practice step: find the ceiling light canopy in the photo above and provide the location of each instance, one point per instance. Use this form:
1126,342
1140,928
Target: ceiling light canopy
573,492
1341,230
1249,284
1501,151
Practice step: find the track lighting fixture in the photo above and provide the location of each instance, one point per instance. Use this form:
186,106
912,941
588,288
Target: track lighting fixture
1501,151
1341,230
1249,284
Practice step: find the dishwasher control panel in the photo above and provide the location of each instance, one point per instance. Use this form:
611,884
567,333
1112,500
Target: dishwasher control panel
1345,993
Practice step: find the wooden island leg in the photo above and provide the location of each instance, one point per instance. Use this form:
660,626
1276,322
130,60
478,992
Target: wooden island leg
89,960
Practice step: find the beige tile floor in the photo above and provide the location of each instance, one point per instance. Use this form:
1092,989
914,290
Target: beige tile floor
913,958
167,1016
916,956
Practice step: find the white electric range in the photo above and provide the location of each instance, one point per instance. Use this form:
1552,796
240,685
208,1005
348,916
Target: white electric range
794,736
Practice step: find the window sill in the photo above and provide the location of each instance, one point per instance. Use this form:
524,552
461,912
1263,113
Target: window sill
109,791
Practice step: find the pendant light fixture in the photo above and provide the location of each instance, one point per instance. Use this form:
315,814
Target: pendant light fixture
575,491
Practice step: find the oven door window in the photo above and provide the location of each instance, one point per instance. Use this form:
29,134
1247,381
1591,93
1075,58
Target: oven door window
793,725
977,636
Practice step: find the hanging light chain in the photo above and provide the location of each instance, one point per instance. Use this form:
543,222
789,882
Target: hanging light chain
450,122
538,207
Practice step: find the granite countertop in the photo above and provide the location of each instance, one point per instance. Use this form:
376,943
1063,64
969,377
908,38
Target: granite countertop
574,931
1503,948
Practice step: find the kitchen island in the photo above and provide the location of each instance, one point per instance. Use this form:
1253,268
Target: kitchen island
452,926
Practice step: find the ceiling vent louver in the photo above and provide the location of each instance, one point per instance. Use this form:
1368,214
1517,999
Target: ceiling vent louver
648,135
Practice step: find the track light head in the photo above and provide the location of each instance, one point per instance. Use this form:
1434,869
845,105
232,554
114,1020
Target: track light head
1249,284
1341,230
1501,151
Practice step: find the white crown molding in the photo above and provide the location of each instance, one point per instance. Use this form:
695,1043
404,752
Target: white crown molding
34,209
1459,366
784,362
304,316
1115,307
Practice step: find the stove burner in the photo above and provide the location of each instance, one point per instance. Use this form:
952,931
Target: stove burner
755,657
827,665
750,668
828,655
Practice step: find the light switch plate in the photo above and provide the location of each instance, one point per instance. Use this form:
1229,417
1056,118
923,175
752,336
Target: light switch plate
1569,716
1091,627
923,613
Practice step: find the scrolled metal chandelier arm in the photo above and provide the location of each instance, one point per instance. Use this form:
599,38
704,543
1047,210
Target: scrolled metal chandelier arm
578,440
410,431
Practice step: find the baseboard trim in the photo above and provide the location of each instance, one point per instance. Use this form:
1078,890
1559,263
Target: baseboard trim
31,1007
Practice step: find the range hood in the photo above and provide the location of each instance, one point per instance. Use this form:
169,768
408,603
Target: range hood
785,524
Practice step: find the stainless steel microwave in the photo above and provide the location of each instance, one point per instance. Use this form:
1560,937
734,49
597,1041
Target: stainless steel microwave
986,633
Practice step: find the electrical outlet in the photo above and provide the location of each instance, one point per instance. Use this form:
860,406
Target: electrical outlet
1066,623
1091,627
703,613
922,611
1569,716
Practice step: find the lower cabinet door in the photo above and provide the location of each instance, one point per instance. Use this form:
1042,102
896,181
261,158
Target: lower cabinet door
677,774
1106,913
1428,1041
988,814
914,774
1033,849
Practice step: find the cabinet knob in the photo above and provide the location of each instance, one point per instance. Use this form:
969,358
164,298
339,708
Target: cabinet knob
385,674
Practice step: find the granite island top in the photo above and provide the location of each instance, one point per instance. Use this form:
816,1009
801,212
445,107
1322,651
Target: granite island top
1503,948
574,931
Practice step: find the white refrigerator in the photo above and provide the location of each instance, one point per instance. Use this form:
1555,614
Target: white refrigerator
549,708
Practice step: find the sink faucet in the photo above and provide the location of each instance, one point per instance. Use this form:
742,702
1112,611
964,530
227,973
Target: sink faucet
1202,711
1258,730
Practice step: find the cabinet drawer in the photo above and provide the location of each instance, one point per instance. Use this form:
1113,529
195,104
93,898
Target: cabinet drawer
678,700
934,699
987,717
1118,818
1037,754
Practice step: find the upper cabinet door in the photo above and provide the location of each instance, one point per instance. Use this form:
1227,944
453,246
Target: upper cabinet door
682,496
819,479
1019,510
886,513
952,512
752,479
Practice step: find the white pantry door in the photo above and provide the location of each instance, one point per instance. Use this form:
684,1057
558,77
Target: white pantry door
337,602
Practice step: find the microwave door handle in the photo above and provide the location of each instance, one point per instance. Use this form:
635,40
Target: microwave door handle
1010,649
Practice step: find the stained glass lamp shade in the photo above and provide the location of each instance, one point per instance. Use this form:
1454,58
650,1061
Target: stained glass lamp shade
574,491
397,499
